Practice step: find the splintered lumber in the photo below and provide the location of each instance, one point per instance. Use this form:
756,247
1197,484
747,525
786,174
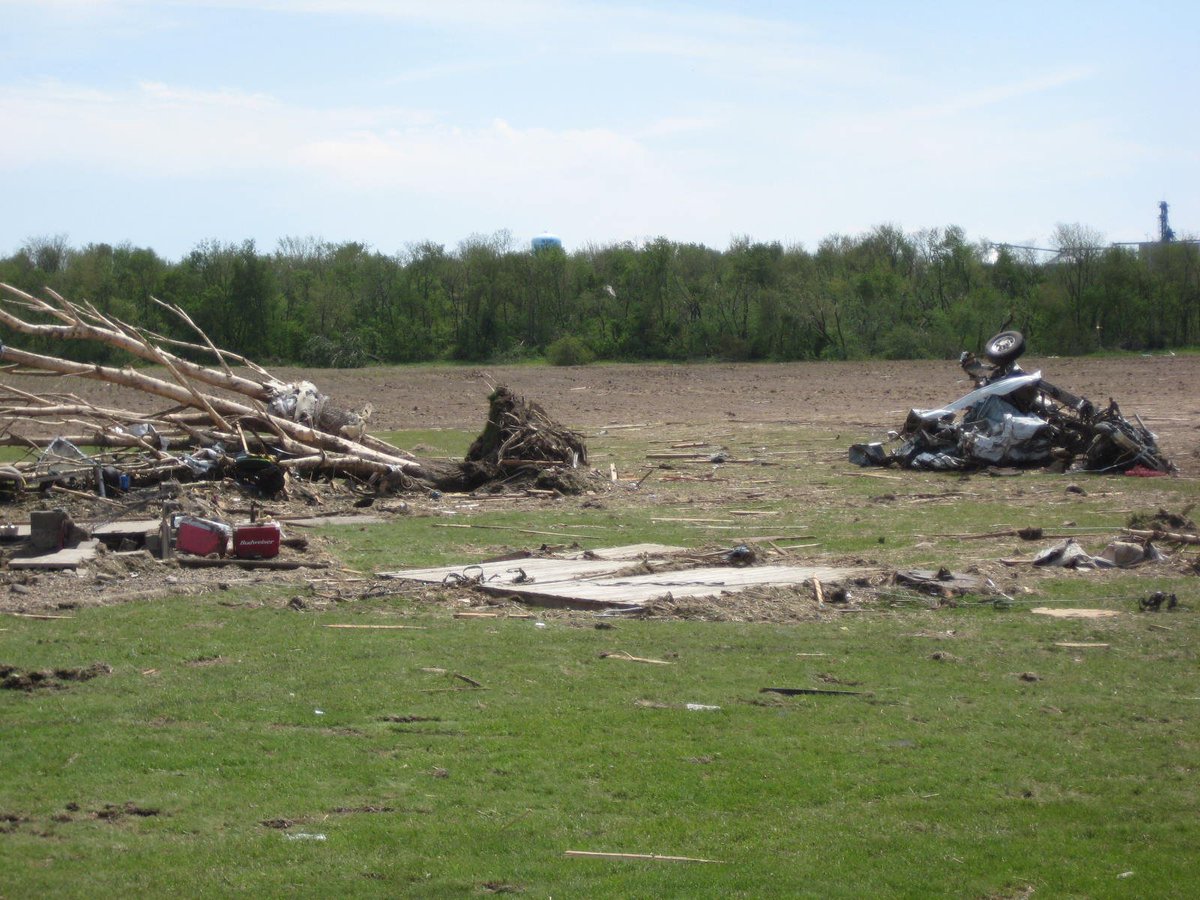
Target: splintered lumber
1173,537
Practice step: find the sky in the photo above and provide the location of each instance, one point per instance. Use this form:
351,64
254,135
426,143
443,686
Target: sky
166,124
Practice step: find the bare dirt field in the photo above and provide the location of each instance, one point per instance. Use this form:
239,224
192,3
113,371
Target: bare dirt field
862,397
859,396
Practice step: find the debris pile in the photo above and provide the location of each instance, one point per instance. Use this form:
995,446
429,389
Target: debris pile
1014,419
247,424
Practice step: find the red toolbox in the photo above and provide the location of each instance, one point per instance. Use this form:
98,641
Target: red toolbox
257,541
201,536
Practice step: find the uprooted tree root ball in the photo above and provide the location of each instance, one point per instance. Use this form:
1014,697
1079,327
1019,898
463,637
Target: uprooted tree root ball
521,443
519,431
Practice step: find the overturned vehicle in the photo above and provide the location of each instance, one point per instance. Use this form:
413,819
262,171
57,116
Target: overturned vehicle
1015,419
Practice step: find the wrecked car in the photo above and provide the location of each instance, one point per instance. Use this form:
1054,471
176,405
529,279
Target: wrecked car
1017,419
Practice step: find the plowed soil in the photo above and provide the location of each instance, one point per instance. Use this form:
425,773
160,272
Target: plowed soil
858,396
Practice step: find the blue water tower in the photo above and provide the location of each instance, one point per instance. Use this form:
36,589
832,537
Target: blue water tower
546,241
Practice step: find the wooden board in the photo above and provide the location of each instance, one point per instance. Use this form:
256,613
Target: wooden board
1057,613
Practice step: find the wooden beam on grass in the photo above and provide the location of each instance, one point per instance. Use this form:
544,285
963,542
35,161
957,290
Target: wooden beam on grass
655,857
621,654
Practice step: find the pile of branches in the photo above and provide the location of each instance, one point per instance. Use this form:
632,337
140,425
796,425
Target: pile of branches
215,418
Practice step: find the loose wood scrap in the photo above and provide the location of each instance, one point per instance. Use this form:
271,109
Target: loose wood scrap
509,528
1171,537
621,654
595,854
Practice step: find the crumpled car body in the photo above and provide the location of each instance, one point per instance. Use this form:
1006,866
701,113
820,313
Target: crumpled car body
1015,419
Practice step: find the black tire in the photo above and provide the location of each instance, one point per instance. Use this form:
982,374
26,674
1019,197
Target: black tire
1005,347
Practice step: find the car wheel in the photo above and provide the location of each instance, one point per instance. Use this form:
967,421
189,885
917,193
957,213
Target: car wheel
1005,347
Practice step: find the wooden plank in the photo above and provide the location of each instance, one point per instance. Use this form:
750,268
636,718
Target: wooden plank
621,654
1075,613
592,854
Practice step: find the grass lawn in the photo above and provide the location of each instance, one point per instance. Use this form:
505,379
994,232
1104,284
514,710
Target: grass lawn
240,747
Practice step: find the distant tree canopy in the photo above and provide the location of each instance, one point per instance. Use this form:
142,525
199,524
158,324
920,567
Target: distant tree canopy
884,294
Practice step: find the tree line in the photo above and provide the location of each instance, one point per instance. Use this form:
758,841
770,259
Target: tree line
883,294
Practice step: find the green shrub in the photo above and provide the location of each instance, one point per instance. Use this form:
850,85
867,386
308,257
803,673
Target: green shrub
568,351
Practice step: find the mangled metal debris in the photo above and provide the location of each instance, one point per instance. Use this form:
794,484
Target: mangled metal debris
1018,419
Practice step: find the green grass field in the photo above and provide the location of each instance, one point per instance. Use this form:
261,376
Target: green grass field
241,748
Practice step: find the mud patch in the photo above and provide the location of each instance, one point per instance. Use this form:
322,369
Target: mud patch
112,812
201,662
15,679
10,822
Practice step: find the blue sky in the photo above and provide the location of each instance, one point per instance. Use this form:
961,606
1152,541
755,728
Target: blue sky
165,124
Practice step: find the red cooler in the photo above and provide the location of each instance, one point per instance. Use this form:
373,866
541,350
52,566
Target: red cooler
201,536
259,541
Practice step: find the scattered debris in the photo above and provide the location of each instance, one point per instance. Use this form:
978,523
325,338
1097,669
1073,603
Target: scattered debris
1070,555
791,692
255,429
1059,613
1157,601
942,583
1014,419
